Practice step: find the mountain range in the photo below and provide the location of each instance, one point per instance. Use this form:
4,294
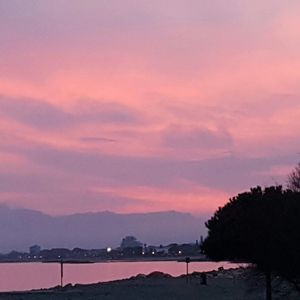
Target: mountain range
22,228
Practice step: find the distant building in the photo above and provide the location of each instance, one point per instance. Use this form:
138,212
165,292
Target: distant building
162,250
56,253
130,242
184,249
35,250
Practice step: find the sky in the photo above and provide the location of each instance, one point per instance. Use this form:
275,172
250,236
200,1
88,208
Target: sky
146,105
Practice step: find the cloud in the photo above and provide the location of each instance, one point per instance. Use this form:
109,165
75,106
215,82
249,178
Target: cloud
75,201
29,182
229,173
95,139
35,113
58,181
105,112
43,115
179,137
167,95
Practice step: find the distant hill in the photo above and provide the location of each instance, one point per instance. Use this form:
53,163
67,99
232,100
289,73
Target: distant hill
21,228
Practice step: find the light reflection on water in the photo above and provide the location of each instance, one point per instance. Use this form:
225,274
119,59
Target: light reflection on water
27,276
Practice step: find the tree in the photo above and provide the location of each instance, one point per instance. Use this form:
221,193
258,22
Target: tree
261,227
130,242
294,179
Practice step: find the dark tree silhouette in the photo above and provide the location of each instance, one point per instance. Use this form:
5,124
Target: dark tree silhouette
294,179
261,227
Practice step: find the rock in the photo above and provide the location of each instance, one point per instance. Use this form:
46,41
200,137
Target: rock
158,274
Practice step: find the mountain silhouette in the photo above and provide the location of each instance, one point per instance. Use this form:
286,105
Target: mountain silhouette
21,228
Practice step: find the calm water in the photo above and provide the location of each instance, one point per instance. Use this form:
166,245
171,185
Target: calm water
26,276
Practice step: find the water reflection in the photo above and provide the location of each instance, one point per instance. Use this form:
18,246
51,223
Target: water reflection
26,276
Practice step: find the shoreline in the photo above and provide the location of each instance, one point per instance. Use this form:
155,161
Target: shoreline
110,260
241,283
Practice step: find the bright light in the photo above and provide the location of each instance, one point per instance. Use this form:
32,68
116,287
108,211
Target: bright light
108,250
143,253
179,252
153,252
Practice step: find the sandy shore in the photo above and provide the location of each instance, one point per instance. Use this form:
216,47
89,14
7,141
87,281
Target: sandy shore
231,284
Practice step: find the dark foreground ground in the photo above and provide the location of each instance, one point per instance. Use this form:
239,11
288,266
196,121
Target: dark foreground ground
238,284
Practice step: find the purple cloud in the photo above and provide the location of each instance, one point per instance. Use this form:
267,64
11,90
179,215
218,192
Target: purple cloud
178,137
42,115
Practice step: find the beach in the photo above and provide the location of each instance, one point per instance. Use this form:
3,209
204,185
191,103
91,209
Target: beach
242,283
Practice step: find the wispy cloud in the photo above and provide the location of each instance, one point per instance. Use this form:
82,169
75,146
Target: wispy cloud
43,115
186,99
95,139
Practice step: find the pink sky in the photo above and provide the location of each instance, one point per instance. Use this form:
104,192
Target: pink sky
140,105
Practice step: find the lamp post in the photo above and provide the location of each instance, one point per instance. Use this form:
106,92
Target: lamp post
61,272
187,260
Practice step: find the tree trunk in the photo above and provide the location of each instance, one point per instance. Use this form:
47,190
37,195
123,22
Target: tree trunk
268,286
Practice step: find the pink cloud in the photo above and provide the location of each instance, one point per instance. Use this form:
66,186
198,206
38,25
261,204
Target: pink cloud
177,85
187,198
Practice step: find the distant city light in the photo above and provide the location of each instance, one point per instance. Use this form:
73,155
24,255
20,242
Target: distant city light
108,250
179,252
143,253
153,252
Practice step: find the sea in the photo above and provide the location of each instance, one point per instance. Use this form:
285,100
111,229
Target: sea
28,276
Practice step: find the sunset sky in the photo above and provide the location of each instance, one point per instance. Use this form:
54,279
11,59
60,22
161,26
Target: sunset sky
146,105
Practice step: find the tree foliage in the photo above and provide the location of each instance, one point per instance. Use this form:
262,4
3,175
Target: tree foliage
262,227
294,179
